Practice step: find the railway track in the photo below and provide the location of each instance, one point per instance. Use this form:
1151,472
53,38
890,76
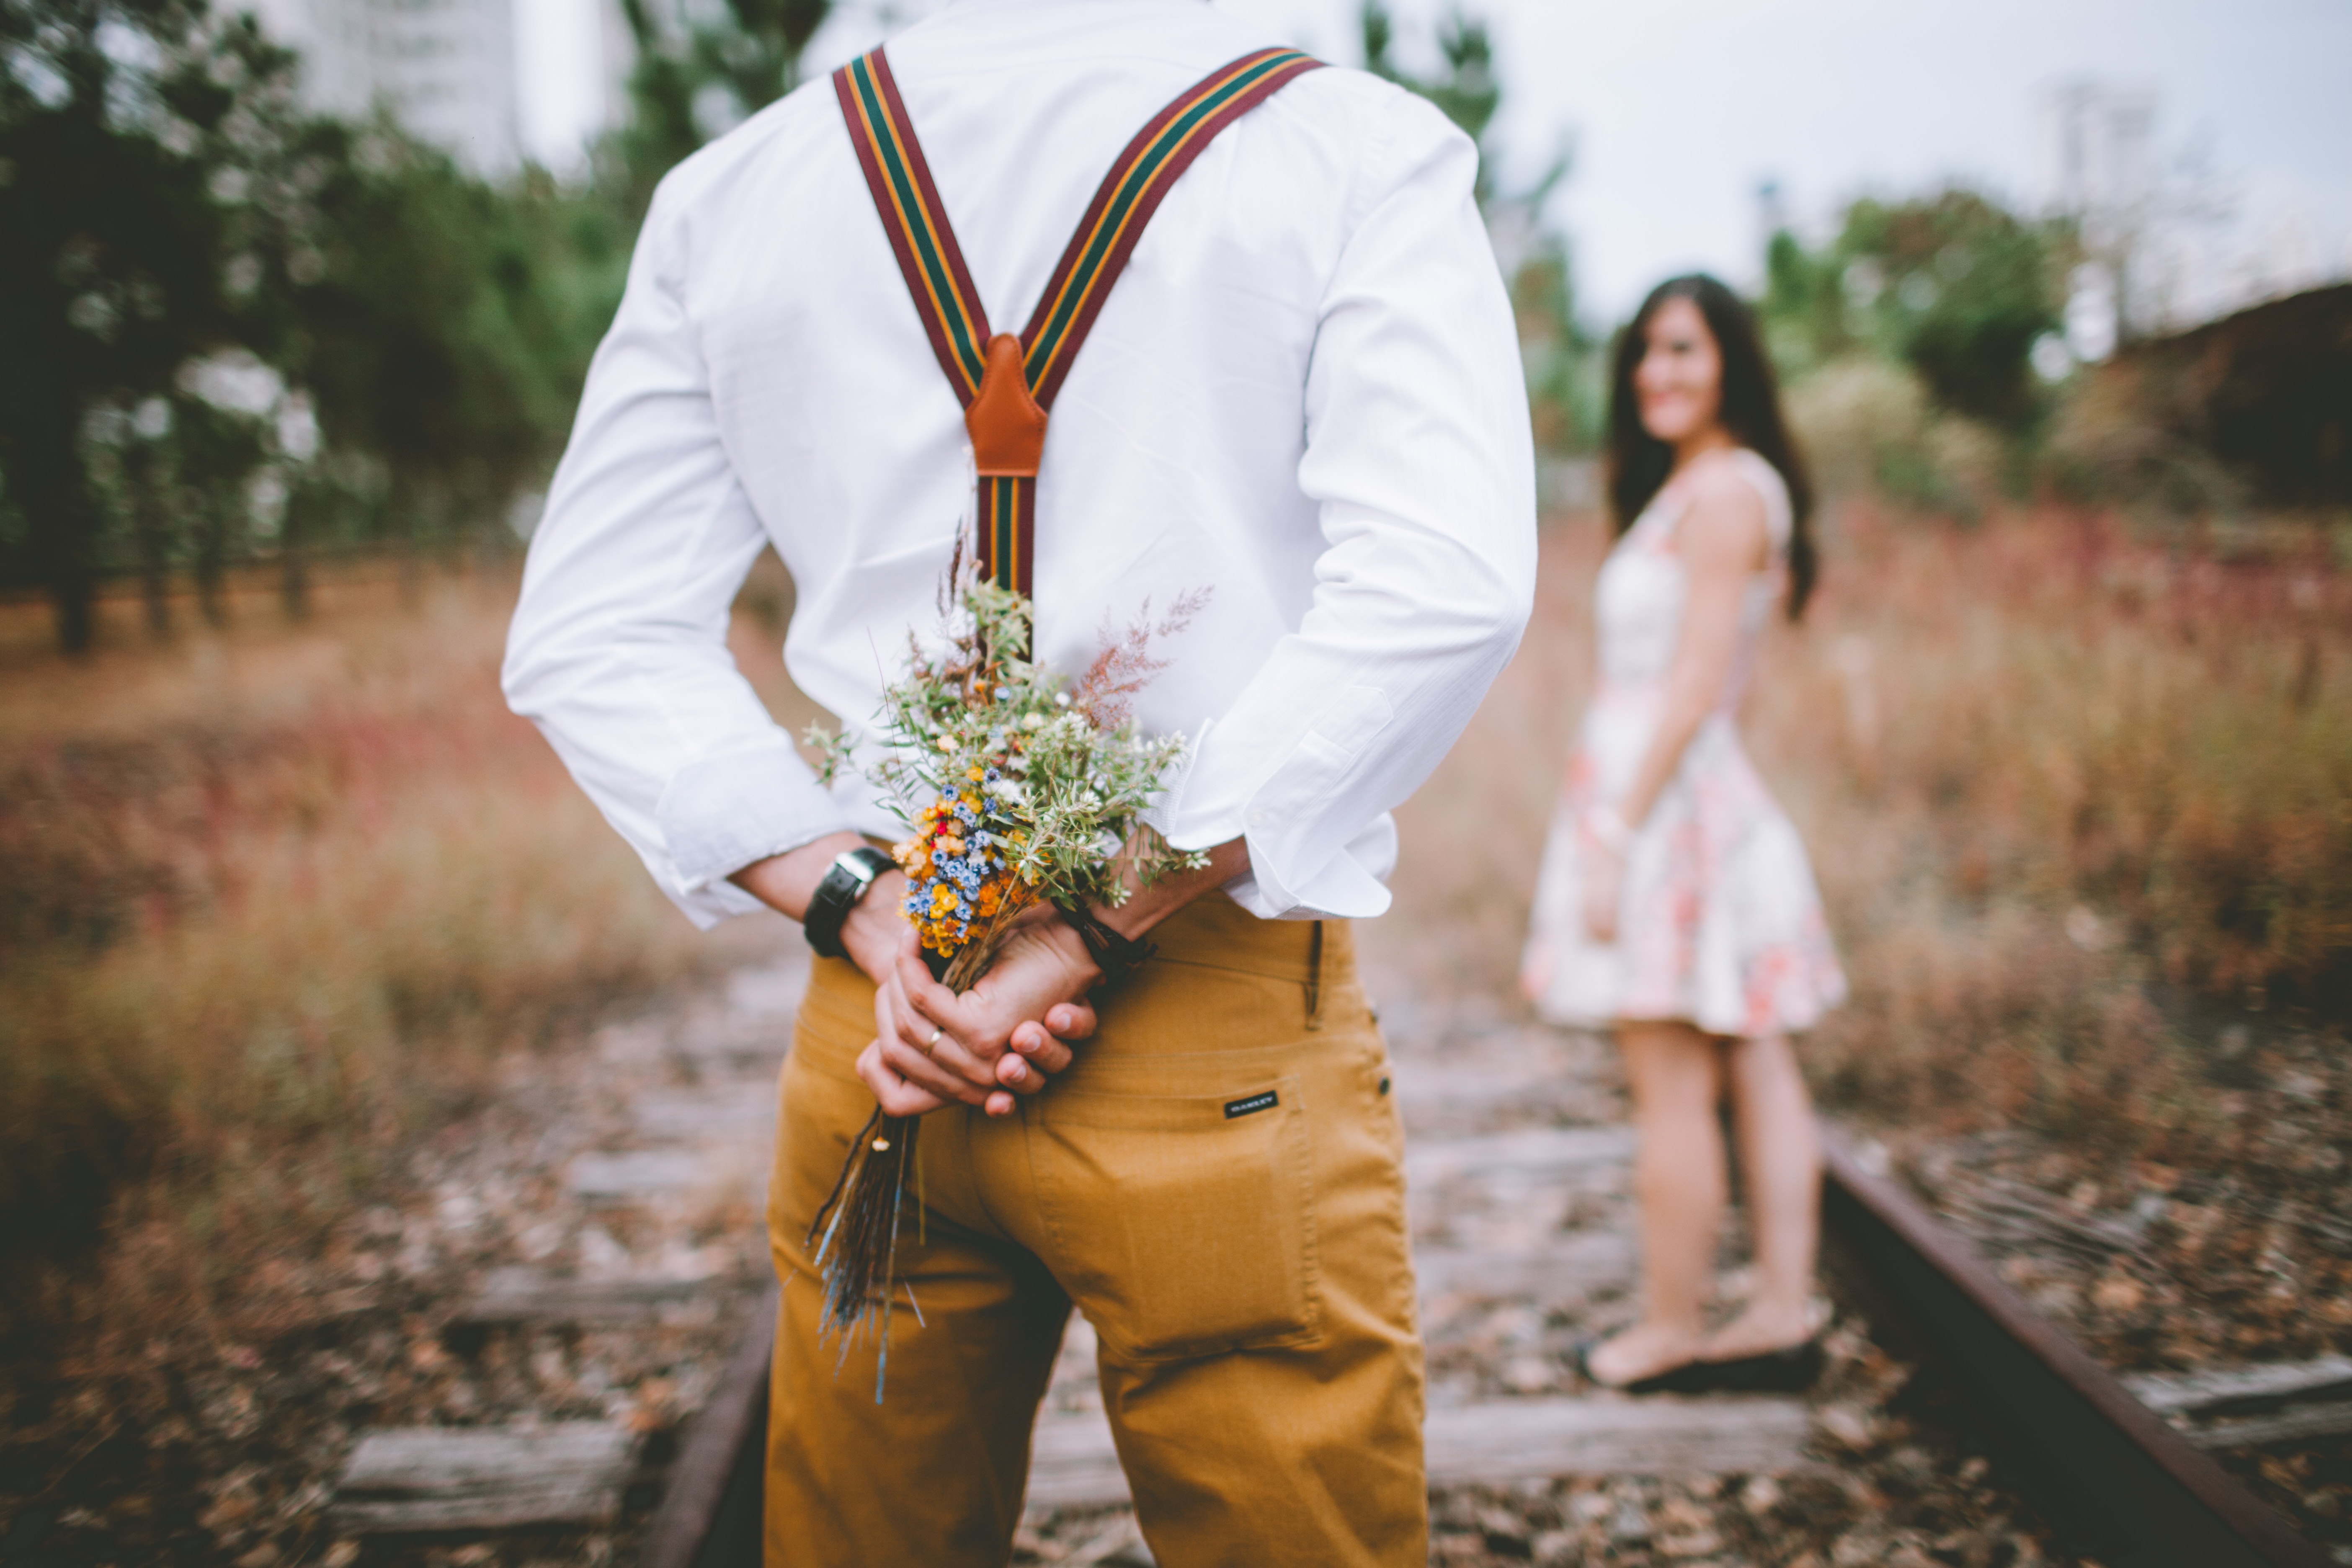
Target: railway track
2127,1474
2139,1482
1518,1163
2113,1463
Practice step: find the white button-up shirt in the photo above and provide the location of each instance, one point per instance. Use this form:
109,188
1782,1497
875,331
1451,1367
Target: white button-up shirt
1303,396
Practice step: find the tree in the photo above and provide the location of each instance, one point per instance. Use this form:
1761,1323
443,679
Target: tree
687,89
1953,284
199,280
111,234
431,331
1804,309
1559,354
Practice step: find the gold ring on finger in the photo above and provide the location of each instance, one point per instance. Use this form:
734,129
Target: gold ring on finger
934,1040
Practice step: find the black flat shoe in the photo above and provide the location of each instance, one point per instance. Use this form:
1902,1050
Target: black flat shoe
1792,1370
1689,1377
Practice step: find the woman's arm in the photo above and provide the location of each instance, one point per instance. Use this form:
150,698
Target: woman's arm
1723,541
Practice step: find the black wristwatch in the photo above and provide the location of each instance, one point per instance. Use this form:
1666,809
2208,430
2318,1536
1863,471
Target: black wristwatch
846,880
1116,955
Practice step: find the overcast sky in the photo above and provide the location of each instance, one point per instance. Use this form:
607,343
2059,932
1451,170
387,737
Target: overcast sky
1679,109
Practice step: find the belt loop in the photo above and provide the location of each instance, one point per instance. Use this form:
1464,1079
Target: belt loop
1314,977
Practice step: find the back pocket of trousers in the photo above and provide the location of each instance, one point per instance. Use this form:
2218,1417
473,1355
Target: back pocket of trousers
1185,1224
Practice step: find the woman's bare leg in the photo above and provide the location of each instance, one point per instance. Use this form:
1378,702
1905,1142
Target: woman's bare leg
1780,1162
1676,1076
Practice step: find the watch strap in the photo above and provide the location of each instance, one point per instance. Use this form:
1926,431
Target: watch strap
1116,955
845,881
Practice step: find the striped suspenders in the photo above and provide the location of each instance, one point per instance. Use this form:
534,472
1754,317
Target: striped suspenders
1006,384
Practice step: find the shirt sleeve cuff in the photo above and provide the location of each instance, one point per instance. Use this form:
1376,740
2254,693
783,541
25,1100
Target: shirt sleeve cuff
724,813
1300,867
1350,885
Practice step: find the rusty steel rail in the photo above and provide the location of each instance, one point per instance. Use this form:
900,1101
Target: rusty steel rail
2070,1428
710,1513
2075,1429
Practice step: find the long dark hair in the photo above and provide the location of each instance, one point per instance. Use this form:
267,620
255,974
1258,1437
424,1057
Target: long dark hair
1639,461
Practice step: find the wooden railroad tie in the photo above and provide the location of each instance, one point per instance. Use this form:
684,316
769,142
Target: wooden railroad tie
421,1479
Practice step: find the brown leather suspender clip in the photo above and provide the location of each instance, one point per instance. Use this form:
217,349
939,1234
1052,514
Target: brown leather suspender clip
1008,429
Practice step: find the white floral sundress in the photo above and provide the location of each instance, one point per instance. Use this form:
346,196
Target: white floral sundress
1721,923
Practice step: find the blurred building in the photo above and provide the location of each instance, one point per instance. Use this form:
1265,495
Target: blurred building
445,69
2093,163
2094,150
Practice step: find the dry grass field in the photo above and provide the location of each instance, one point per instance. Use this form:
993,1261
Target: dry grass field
279,898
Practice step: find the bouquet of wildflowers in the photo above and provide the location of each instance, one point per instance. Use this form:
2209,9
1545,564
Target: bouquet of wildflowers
1022,789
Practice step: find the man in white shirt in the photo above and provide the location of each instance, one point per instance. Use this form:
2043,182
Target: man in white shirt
1303,396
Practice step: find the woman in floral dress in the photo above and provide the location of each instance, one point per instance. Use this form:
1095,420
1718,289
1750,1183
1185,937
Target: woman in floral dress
1675,904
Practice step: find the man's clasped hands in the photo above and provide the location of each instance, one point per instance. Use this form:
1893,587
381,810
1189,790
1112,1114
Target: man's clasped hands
1014,1028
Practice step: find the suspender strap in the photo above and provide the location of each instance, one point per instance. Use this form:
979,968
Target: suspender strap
1137,181
1005,384
915,220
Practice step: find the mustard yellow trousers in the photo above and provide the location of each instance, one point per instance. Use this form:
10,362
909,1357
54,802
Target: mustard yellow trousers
1217,1183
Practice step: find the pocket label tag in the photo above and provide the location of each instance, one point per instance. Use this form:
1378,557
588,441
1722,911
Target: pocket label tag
1248,1103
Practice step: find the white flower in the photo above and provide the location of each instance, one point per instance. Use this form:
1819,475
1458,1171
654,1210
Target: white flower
1032,721
1061,700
